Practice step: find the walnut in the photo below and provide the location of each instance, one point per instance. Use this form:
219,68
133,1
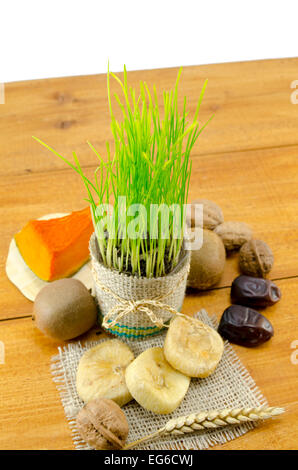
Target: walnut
233,234
102,424
256,258
212,214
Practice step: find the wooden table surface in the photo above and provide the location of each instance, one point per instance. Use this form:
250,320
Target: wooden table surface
246,161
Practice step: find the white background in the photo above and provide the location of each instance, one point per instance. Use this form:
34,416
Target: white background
52,38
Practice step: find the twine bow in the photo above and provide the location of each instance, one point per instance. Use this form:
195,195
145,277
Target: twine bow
125,307
133,306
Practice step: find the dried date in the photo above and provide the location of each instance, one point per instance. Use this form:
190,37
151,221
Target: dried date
245,326
254,292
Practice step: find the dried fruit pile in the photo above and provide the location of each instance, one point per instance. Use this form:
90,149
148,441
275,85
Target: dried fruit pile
158,379
240,323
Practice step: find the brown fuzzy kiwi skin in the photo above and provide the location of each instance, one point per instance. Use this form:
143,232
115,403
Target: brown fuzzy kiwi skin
64,309
207,264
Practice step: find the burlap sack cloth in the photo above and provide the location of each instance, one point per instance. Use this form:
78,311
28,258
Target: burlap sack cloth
230,386
117,295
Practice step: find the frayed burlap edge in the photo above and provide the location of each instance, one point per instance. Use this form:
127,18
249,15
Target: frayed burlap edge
200,440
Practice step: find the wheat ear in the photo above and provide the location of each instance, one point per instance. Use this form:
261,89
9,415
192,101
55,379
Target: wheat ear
209,420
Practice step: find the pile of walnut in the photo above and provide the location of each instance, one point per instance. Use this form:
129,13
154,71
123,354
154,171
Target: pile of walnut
219,237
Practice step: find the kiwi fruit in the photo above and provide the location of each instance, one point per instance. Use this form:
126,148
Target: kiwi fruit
64,309
208,262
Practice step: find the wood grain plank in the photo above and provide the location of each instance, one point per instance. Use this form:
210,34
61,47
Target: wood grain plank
31,415
250,100
257,187
246,161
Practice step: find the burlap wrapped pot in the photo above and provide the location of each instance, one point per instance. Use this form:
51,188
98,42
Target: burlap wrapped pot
135,307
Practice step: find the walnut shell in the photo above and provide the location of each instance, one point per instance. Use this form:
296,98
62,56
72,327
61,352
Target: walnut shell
102,424
256,258
233,234
212,214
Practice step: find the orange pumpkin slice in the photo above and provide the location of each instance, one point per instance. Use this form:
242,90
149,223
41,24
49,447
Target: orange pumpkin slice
56,248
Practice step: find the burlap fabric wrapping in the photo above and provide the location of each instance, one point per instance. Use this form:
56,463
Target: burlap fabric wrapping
230,386
135,307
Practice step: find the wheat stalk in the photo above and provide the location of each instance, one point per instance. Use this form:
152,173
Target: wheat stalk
209,420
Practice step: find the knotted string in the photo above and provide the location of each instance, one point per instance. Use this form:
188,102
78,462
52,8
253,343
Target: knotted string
125,307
